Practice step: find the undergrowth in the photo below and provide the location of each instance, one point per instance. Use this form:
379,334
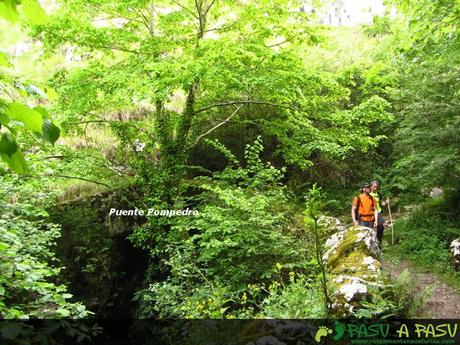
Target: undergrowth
424,237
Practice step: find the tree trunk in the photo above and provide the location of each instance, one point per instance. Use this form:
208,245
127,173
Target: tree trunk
187,116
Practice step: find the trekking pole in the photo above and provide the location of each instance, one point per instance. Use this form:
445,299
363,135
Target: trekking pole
391,223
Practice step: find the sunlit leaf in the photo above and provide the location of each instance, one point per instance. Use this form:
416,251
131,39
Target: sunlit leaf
34,12
8,10
16,162
4,60
43,112
51,94
63,312
3,118
32,119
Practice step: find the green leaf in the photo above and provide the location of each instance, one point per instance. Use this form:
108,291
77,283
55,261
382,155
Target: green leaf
50,131
2,290
51,94
8,145
63,312
16,162
43,112
8,10
3,118
4,60
34,12
32,119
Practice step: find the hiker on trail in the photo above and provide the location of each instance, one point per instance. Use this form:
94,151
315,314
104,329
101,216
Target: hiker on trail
363,211
378,202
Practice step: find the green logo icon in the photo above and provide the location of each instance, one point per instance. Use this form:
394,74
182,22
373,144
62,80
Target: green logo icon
322,331
325,331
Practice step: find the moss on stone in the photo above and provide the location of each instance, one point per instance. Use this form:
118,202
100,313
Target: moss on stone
347,245
353,265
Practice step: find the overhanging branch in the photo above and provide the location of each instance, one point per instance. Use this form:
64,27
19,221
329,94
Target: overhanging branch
89,121
215,127
80,178
185,8
242,102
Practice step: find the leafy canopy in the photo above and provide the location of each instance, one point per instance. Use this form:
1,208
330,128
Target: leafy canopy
15,115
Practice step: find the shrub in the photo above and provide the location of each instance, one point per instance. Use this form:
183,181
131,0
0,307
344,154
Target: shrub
300,299
27,289
241,233
426,237
398,298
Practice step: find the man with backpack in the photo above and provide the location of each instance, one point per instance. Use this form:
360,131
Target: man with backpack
363,211
378,202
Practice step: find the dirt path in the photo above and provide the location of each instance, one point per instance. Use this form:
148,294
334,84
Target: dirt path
444,302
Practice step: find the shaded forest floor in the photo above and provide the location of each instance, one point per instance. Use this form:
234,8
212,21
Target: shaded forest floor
443,303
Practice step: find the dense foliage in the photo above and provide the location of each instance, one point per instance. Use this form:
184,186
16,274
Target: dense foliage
26,250
427,101
238,243
241,110
15,115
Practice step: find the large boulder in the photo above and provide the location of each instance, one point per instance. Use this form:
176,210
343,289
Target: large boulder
330,226
352,259
455,248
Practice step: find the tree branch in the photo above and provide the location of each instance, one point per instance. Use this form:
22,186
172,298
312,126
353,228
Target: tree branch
201,18
89,121
55,157
278,44
209,7
185,8
79,178
127,50
287,40
119,48
215,127
223,27
224,104
145,21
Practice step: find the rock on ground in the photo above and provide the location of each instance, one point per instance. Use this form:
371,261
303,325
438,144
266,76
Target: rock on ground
352,259
330,225
455,248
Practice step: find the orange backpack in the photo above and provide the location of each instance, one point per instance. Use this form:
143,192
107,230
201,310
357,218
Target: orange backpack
359,204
